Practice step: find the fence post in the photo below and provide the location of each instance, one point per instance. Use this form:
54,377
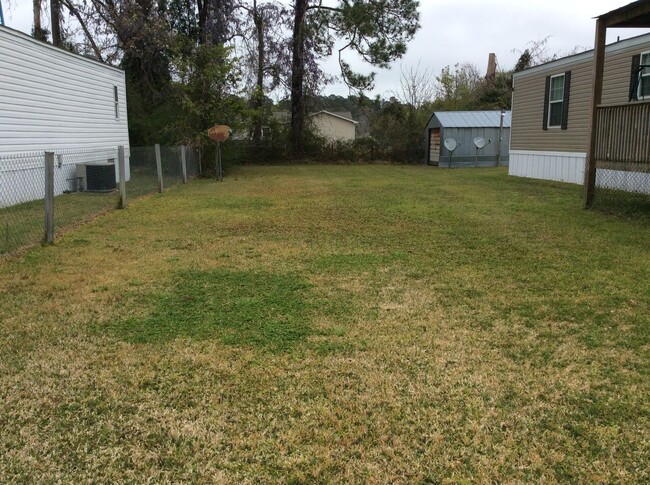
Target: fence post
183,164
200,161
49,197
159,168
218,167
122,173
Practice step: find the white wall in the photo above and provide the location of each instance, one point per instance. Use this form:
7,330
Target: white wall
51,99
333,127
570,167
560,166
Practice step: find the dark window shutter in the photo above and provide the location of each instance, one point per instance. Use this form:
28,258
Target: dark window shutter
547,94
565,101
636,62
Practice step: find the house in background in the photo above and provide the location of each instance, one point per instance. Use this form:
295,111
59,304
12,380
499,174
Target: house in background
334,126
331,125
54,100
551,110
464,127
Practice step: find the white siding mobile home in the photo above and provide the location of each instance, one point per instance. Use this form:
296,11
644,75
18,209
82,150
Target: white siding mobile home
54,100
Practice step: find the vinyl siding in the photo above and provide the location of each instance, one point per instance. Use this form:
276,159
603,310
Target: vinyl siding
563,167
333,128
528,112
528,98
51,99
616,78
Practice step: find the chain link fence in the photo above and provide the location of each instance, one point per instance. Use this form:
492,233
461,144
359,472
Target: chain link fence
623,188
83,182
22,190
622,156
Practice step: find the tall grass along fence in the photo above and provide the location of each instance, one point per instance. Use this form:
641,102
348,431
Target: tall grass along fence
42,193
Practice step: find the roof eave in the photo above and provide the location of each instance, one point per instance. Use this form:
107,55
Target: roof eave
635,14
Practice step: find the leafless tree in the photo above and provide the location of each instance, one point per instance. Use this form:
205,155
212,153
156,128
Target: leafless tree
536,53
417,86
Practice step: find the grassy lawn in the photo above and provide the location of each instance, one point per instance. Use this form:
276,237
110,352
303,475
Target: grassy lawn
317,324
22,225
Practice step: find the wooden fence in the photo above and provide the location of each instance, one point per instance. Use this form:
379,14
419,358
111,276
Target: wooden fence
623,137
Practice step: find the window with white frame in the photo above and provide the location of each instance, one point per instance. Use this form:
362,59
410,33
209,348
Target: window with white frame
644,77
116,102
556,101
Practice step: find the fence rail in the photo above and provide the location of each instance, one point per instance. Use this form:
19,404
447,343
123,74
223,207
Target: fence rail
41,193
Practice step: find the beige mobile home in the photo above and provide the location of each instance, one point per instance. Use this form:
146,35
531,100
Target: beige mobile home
551,108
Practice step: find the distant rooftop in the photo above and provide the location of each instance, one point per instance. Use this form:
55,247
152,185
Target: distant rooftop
473,119
344,115
285,116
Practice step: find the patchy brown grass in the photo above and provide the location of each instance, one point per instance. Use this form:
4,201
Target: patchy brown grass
406,325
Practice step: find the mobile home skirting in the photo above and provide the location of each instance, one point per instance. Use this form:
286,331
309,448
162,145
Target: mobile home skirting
570,167
559,166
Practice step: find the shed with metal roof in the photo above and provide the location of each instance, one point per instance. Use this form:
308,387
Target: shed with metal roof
461,128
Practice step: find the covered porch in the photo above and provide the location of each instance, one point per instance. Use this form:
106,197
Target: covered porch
619,135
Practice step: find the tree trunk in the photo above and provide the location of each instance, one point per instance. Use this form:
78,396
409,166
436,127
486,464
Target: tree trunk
297,78
38,32
219,30
55,17
202,6
258,97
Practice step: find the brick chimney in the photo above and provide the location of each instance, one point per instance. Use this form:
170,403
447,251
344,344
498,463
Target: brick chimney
492,67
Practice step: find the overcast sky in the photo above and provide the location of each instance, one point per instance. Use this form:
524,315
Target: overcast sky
459,31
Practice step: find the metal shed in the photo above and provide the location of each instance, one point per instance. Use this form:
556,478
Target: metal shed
464,127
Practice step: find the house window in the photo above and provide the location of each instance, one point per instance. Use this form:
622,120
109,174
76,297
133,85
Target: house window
644,79
116,102
556,101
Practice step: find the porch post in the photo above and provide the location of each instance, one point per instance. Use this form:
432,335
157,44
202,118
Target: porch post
597,94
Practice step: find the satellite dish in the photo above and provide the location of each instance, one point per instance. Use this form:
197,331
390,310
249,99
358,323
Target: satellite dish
480,142
451,144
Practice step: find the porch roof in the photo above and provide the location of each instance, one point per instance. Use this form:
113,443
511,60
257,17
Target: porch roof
635,14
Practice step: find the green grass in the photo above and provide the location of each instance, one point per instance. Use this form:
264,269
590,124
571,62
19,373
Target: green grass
317,324
22,225
239,308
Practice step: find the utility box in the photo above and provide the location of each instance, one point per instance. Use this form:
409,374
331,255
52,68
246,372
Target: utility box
97,176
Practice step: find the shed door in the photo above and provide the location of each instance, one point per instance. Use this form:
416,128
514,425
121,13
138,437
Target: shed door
434,146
